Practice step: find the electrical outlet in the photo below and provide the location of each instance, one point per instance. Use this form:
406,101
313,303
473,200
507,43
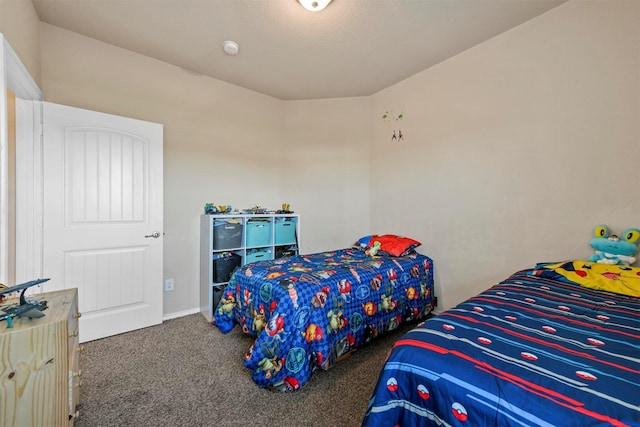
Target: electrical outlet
168,285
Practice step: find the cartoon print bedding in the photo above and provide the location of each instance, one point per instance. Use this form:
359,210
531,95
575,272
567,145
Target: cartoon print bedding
308,310
537,349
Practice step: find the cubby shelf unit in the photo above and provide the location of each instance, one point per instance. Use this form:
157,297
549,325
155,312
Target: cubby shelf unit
228,241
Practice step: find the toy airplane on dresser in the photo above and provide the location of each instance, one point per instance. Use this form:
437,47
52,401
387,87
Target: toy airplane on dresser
31,309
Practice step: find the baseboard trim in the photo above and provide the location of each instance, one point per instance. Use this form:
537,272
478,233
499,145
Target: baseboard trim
183,313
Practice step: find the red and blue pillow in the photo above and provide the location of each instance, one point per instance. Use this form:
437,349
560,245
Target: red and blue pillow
390,244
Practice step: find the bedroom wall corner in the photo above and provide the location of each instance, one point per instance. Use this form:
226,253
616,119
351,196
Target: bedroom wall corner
327,180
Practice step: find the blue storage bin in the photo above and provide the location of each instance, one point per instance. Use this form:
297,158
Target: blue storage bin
255,255
258,232
284,231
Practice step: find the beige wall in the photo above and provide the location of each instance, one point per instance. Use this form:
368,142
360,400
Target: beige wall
328,142
513,150
516,148
19,24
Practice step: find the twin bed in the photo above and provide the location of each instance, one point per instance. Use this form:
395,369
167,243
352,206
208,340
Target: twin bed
308,311
549,346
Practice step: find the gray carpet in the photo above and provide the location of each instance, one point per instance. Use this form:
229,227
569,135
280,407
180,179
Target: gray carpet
185,372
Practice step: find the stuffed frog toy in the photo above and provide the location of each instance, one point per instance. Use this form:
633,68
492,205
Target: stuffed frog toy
613,250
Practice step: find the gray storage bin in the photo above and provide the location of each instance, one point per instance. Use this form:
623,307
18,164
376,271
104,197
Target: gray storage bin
226,234
224,266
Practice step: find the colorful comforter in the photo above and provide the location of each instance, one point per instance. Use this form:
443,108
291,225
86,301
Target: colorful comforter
306,311
535,350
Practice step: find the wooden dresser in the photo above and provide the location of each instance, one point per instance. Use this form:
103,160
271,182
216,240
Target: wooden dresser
40,365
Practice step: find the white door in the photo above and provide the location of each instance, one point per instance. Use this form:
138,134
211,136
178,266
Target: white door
103,217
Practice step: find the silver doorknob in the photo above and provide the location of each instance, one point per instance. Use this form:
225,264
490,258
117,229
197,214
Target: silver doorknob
155,234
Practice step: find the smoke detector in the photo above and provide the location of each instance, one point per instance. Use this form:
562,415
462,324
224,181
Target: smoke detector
230,47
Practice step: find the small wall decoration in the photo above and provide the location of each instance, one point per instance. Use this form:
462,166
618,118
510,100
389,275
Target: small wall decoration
396,134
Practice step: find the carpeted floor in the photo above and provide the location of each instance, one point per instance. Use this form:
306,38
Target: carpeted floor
184,372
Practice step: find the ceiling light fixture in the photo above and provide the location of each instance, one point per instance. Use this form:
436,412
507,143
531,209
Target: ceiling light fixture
230,47
314,5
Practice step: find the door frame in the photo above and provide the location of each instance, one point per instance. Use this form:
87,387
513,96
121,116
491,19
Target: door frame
16,78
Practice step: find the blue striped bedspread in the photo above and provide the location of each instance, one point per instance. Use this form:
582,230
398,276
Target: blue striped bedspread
533,350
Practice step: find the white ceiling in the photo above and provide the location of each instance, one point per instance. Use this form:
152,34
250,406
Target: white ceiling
352,48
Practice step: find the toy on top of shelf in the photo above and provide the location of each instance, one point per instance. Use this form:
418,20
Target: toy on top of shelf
212,209
256,210
286,209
